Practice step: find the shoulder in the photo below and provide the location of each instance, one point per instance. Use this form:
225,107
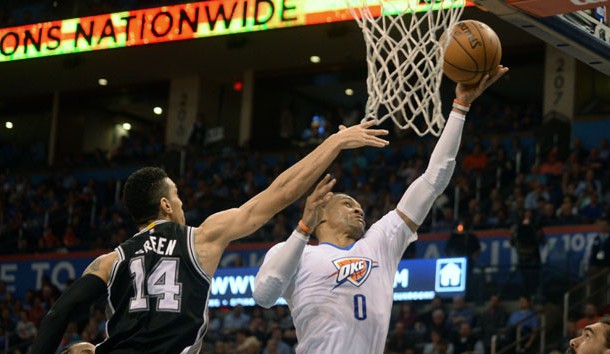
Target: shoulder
102,265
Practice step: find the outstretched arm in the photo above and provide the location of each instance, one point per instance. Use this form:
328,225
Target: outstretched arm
419,197
81,294
223,227
277,270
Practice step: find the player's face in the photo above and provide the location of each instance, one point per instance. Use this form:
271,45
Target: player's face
177,214
82,348
345,214
591,341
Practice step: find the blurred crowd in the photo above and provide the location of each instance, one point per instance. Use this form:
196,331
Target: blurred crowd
498,181
425,327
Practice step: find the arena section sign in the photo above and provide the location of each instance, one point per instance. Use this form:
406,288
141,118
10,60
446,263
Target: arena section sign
173,23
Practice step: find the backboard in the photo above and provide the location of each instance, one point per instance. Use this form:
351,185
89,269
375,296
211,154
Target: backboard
578,27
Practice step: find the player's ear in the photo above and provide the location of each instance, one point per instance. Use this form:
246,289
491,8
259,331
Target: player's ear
165,206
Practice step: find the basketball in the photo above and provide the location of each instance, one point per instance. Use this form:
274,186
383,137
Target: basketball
473,51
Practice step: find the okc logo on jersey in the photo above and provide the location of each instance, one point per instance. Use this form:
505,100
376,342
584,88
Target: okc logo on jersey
355,270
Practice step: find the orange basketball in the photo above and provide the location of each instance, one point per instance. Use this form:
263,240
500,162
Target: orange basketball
473,51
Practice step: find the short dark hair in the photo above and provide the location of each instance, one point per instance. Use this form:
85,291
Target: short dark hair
606,320
143,190
68,349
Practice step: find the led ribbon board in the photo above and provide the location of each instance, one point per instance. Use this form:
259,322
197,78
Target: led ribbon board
174,23
415,279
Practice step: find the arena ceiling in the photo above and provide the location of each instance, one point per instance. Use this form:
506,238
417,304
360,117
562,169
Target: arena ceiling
274,53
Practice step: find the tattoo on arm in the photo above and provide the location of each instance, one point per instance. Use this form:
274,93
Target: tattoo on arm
93,267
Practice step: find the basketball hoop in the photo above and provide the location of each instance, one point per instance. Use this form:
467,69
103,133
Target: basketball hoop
405,59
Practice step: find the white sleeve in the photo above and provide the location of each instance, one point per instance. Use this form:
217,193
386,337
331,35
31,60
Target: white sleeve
421,194
278,268
392,234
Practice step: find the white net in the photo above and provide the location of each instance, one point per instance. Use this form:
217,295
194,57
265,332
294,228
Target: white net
404,58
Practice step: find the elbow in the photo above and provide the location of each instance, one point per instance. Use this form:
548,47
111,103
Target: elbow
263,297
262,301
266,291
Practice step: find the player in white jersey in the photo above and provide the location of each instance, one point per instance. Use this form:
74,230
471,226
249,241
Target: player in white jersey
340,291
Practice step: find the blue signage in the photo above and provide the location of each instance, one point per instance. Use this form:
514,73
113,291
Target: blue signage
563,249
416,279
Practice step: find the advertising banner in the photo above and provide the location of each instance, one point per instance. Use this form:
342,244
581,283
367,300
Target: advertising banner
174,23
563,250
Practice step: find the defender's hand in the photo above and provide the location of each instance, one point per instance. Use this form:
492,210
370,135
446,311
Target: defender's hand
360,135
317,200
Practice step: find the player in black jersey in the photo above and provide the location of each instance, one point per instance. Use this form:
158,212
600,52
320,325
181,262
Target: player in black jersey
158,281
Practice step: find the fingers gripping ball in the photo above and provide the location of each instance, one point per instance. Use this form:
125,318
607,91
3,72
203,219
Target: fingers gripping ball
473,51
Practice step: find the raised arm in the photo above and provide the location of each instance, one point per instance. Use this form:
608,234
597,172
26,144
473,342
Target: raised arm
282,261
223,227
419,197
77,298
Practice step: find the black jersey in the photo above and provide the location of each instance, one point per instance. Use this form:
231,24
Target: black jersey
157,294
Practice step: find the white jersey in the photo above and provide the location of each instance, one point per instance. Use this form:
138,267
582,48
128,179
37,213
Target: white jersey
341,298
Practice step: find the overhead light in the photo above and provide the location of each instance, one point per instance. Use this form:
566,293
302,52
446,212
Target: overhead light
126,126
102,82
158,110
8,125
349,91
315,59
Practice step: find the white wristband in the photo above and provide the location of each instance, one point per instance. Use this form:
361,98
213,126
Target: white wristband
461,105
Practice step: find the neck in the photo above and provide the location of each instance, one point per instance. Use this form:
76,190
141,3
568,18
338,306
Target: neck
335,237
151,223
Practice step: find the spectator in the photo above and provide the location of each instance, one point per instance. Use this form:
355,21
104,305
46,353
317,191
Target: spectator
406,315
279,346
466,343
235,320
69,238
426,317
591,316
464,243
438,345
552,166
567,213
538,192
597,259
439,324
525,320
491,321
71,335
398,339
48,240
37,311
461,313
526,237
214,326
591,209
26,329
476,160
